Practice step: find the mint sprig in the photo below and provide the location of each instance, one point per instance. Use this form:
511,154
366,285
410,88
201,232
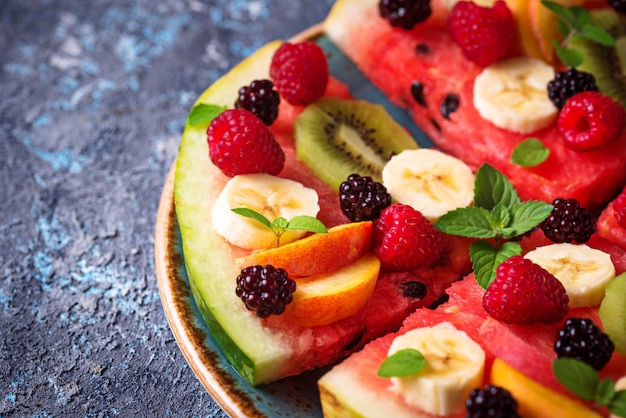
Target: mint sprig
497,216
530,153
585,382
280,225
204,113
575,22
402,363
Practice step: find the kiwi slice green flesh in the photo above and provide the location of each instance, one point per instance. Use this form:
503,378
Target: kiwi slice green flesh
613,312
607,64
337,137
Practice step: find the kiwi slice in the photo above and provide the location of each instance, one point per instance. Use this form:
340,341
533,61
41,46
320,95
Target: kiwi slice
612,312
607,64
337,137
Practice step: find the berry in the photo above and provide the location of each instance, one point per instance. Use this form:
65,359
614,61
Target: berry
362,199
618,5
568,83
484,34
524,293
590,120
492,402
239,143
568,222
619,208
261,99
582,340
265,289
300,72
404,14
404,239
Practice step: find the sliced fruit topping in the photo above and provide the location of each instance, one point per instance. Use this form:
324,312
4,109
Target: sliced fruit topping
265,289
268,195
261,99
404,239
430,181
454,366
240,143
483,33
404,13
583,271
491,401
568,83
317,253
619,208
525,293
613,312
300,72
568,222
590,120
326,298
337,137
583,340
512,94
362,198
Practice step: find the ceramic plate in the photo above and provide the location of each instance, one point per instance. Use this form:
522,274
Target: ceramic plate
291,397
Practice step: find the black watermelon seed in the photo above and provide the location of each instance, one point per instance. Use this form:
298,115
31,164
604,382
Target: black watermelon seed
414,289
436,125
422,49
356,341
417,91
442,299
449,105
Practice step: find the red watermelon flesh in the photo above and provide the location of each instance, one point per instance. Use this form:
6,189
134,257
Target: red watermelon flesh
390,59
609,229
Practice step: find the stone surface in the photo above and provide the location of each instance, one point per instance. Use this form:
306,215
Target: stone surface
94,98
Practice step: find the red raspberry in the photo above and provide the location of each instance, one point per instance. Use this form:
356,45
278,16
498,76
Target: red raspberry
485,34
619,208
524,293
300,72
590,120
404,239
239,143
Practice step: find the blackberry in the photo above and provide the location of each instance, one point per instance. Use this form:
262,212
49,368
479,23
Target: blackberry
582,340
265,289
618,5
568,222
567,83
261,99
404,13
362,198
493,402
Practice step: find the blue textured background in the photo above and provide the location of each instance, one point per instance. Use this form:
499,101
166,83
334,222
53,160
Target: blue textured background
94,95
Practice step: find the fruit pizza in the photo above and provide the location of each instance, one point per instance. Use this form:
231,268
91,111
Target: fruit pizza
484,276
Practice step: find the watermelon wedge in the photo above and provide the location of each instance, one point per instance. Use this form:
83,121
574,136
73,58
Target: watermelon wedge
395,59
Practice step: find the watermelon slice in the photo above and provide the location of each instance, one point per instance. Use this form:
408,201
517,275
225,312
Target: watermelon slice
609,229
395,59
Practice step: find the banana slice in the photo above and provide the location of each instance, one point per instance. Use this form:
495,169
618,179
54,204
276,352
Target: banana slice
455,366
429,180
512,94
269,195
584,271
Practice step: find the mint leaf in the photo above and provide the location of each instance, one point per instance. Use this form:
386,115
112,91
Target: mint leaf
582,17
252,214
492,187
204,113
486,259
527,215
597,35
577,376
306,223
569,57
561,11
617,405
280,224
470,222
402,363
530,153
605,391
500,218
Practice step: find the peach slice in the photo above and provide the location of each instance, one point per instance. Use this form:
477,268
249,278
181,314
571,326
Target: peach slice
317,253
534,399
326,298
544,27
526,37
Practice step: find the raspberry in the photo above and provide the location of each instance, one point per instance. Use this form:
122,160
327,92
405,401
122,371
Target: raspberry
590,120
485,34
492,401
362,199
582,340
568,222
265,289
568,83
261,99
619,208
618,5
239,143
404,239
404,13
525,293
300,72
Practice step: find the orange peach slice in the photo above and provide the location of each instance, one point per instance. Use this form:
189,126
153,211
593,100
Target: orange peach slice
526,36
544,27
317,253
323,299
534,399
